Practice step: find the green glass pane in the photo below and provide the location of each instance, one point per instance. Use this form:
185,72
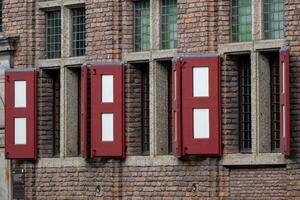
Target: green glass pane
53,34
273,19
168,24
241,20
141,26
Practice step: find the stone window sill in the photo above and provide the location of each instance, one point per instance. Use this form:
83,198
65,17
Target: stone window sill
46,63
56,4
255,45
253,159
149,55
170,160
165,160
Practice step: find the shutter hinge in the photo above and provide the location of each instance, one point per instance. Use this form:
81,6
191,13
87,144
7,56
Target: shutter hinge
93,153
185,150
182,63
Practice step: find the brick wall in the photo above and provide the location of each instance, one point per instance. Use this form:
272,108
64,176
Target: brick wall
263,183
202,25
133,107
19,21
197,22
223,22
127,26
103,25
230,104
48,117
133,110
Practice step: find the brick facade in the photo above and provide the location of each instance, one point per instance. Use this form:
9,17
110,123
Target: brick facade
202,26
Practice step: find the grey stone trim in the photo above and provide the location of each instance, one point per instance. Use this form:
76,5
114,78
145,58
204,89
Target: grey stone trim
71,100
238,47
48,5
20,69
254,102
164,54
46,63
150,55
129,161
57,3
269,44
246,47
136,57
63,113
253,159
8,44
2,138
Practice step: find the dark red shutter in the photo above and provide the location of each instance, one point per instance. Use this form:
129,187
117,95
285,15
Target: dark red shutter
176,107
84,111
198,89
107,138
285,134
20,142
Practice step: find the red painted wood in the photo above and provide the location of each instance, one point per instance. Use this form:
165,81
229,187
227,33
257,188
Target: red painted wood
176,108
212,145
28,150
101,148
83,111
285,129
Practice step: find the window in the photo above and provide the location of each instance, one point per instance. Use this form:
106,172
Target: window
141,25
273,18
56,112
245,104
50,82
78,32
241,20
275,103
53,29
1,8
168,13
145,111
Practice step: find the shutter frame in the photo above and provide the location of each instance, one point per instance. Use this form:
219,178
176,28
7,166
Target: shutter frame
176,108
26,151
196,147
84,111
285,130
99,148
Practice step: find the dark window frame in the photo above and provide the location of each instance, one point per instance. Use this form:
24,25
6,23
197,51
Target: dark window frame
273,14
236,32
78,31
275,102
145,103
168,36
52,53
140,29
245,122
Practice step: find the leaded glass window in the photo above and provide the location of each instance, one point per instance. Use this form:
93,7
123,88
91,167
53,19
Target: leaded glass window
241,20
78,32
273,19
53,31
141,25
245,104
168,13
275,103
